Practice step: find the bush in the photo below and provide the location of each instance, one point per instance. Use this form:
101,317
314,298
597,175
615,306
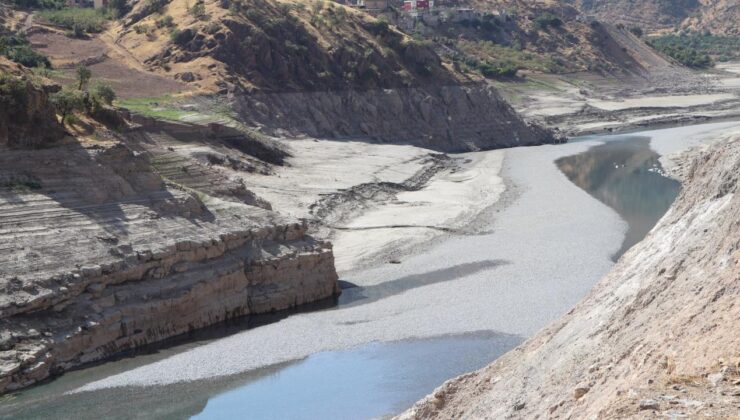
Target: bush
165,22
85,19
103,93
691,47
13,94
18,49
546,20
500,70
118,8
40,4
198,10
636,30
67,101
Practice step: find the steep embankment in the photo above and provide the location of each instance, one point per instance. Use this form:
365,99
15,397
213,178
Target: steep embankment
104,248
657,337
26,117
324,70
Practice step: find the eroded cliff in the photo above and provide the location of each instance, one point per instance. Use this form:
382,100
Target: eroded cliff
111,241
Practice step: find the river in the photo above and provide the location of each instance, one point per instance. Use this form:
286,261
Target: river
400,330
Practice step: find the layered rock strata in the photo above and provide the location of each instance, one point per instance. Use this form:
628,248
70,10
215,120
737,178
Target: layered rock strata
98,254
454,118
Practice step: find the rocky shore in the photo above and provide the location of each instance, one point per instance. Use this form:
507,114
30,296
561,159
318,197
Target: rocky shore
656,337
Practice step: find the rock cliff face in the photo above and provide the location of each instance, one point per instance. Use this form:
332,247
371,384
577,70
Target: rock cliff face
445,118
656,338
99,254
26,116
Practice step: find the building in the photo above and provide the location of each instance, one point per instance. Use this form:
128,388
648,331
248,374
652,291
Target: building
100,4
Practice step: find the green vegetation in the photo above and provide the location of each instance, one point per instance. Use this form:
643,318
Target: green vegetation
18,49
156,107
67,101
697,50
20,185
546,20
83,76
493,60
102,93
198,10
40,4
78,19
13,92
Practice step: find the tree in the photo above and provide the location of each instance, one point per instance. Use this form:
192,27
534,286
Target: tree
67,101
83,76
103,93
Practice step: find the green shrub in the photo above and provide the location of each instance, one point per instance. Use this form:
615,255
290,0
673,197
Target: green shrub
86,19
165,22
636,30
103,93
198,10
67,101
40,4
546,20
83,75
13,93
18,49
697,50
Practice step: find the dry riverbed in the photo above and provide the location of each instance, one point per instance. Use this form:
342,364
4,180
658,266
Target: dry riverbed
509,279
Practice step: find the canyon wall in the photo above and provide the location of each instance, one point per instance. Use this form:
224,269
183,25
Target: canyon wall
458,118
657,337
100,254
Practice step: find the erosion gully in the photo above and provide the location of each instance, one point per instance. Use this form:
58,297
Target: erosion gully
368,381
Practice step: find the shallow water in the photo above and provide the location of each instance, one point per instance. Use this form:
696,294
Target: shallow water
512,279
627,176
374,380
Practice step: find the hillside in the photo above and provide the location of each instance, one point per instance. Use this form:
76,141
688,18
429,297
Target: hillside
718,16
278,46
657,337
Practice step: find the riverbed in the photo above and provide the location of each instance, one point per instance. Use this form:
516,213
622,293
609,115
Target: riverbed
400,329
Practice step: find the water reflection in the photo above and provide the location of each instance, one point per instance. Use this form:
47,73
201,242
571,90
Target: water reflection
369,381
627,176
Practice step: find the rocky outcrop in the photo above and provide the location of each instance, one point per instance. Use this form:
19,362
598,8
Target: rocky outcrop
446,118
657,337
99,254
27,119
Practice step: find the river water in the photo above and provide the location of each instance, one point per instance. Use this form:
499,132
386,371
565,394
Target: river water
371,374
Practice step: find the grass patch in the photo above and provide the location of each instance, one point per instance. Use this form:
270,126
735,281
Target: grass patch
78,19
155,107
484,55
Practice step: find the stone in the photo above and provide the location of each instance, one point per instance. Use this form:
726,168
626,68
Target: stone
649,404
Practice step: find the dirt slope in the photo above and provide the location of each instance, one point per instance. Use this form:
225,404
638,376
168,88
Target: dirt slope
657,337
